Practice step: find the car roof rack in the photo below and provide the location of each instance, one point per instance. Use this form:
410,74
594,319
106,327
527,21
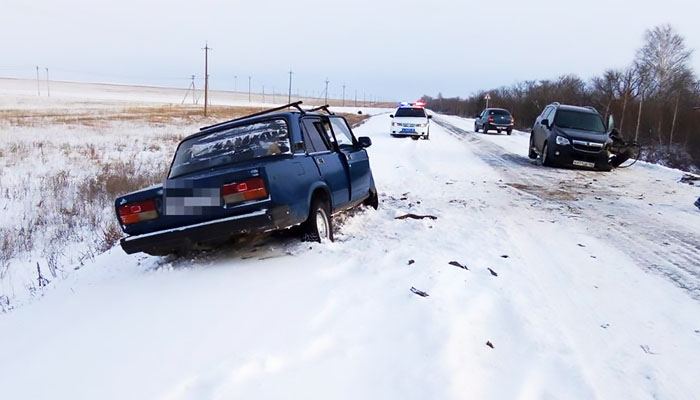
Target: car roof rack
296,104
556,104
591,108
323,108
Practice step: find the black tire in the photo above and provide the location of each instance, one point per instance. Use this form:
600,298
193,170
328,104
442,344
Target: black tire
498,131
509,131
531,152
319,225
476,128
486,128
415,137
546,161
372,200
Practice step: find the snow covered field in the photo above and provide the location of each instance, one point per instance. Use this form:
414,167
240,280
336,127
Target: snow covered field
584,285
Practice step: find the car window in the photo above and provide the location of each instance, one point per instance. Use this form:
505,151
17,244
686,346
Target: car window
232,145
342,131
410,112
579,120
499,112
312,130
549,114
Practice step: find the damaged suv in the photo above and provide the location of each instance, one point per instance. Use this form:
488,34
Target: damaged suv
264,172
570,136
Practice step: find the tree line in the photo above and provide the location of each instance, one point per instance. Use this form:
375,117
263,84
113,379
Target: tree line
655,100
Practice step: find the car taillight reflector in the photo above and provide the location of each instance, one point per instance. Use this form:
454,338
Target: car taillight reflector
132,213
250,189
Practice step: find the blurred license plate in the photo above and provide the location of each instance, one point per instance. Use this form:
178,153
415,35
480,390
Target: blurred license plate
408,130
584,164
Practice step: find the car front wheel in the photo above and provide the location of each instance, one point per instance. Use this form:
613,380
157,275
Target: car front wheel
319,226
532,153
545,156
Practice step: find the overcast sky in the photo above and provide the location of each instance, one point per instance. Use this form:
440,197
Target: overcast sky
394,50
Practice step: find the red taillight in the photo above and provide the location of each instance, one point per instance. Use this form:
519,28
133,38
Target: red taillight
132,213
490,118
250,189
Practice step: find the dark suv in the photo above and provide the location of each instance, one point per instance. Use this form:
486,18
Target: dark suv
496,119
570,136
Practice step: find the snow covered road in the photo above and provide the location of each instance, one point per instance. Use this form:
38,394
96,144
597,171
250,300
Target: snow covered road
567,279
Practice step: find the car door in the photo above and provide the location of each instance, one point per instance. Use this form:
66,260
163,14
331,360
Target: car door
330,163
542,131
355,156
480,120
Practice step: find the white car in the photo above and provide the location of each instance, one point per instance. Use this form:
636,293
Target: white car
410,120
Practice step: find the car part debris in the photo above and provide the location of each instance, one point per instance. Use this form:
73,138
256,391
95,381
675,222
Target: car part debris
458,265
419,292
416,216
494,273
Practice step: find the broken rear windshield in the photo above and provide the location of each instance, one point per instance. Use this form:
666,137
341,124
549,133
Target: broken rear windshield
233,145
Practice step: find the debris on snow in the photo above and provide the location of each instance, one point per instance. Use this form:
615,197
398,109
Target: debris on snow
690,179
411,262
416,216
492,272
488,343
647,349
419,292
458,265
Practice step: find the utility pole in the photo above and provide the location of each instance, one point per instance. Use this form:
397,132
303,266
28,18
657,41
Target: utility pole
263,93
235,83
327,82
355,97
194,93
38,88
48,88
343,95
250,99
289,95
206,77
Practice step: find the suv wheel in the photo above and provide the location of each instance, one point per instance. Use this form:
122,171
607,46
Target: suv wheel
319,226
486,128
476,128
509,131
532,153
545,156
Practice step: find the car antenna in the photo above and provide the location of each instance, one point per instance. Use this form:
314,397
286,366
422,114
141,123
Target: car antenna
324,108
296,104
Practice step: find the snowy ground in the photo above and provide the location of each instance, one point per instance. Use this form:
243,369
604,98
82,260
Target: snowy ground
586,285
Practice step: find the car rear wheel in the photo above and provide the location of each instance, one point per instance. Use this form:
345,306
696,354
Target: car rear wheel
476,128
319,226
486,128
509,131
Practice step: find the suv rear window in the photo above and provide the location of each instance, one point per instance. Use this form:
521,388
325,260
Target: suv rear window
240,143
410,112
579,120
499,112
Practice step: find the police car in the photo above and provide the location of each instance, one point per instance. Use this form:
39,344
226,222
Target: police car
411,120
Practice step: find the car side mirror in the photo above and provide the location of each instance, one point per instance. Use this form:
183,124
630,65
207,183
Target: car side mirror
430,117
545,122
391,115
364,142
